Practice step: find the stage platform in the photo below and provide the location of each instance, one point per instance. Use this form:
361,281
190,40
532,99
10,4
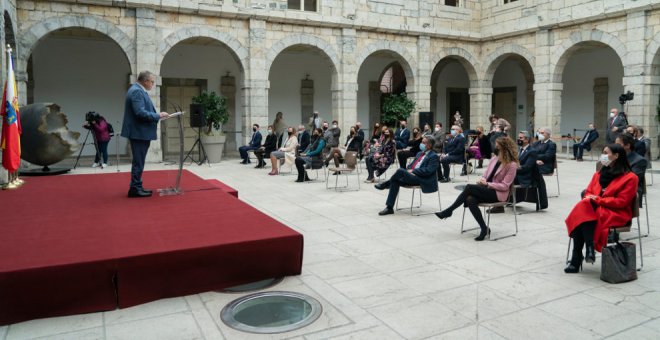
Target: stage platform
75,243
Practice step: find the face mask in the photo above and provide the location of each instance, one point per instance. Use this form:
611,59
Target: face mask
290,133
605,160
270,131
254,129
497,151
422,147
541,137
437,129
454,132
612,114
334,126
403,126
325,128
520,142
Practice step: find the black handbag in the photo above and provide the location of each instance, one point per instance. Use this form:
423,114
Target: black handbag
618,263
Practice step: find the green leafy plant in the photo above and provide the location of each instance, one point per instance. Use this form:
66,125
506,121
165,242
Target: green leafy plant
397,107
216,110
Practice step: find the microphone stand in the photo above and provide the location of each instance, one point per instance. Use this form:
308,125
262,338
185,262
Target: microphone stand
176,190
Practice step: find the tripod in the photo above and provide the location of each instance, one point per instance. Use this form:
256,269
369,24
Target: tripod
200,150
96,146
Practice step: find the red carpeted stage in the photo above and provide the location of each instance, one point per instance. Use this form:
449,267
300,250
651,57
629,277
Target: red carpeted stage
75,244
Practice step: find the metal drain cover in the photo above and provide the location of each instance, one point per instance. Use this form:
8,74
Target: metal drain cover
271,312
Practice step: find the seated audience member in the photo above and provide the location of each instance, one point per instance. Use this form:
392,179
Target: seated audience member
492,187
495,120
359,137
420,172
528,175
312,157
546,151
439,137
286,152
427,131
383,156
607,202
255,143
303,138
352,144
485,148
374,144
639,147
269,146
637,163
336,133
647,144
375,135
454,153
493,135
585,143
411,150
402,135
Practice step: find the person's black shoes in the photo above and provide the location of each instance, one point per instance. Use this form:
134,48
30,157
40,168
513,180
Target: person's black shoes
484,232
382,186
386,211
590,254
133,192
445,180
443,214
496,210
244,162
572,269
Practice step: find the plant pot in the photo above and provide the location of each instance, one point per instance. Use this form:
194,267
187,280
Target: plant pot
214,145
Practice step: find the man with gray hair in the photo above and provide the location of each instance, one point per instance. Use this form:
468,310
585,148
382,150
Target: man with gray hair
140,126
546,151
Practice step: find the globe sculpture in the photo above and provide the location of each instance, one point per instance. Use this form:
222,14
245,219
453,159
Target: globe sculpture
46,139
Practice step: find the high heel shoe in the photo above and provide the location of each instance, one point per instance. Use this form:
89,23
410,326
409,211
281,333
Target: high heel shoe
444,214
590,254
483,234
572,269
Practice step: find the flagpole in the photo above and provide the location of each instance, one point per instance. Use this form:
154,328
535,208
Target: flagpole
10,116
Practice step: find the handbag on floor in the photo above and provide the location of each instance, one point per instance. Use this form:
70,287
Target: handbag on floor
618,263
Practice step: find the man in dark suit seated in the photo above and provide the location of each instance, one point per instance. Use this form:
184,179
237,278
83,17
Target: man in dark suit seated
402,136
140,126
528,175
454,153
638,163
546,151
303,138
255,143
639,147
585,144
421,172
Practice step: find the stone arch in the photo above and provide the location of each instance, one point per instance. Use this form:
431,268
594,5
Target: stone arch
236,48
405,58
29,38
563,52
9,29
464,57
309,40
653,51
493,61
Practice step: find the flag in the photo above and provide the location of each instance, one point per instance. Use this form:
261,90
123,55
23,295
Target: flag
11,125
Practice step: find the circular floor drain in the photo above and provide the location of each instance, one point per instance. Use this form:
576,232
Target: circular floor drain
271,312
253,286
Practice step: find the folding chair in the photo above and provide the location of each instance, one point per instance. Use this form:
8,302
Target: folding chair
622,229
412,202
555,173
536,188
350,160
490,206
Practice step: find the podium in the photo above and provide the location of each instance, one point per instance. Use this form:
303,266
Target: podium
176,189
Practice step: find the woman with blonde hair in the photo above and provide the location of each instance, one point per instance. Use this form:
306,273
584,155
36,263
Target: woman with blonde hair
492,187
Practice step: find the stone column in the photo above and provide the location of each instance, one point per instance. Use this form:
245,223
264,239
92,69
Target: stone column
481,102
255,90
422,91
228,90
344,84
146,37
547,101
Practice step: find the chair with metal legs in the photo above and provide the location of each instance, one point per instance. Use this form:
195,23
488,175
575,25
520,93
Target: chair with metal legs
554,173
412,199
350,162
487,208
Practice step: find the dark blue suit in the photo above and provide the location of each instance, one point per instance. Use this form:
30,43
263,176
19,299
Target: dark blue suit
423,175
139,126
528,176
303,141
254,144
546,152
585,143
401,137
455,153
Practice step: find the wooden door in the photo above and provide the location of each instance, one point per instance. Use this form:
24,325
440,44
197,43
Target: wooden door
504,104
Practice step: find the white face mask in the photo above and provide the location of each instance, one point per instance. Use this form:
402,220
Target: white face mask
541,137
334,126
605,160
437,129
612,114
270,131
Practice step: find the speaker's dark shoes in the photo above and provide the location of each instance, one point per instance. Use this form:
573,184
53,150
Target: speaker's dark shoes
138,193
386,211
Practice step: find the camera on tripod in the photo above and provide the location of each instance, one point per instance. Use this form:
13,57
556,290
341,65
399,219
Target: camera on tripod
91,117
626,97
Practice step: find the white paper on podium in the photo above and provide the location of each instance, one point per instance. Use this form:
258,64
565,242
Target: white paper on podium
171,115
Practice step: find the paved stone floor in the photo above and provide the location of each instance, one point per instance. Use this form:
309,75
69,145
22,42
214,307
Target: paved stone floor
406,277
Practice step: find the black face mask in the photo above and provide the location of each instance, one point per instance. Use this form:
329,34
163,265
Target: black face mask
290,133
254,129
520,142
496,152
325,128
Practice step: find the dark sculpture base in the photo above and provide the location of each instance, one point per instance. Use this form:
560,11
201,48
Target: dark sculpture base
45,171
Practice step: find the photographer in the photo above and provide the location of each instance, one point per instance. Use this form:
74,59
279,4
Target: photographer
99,128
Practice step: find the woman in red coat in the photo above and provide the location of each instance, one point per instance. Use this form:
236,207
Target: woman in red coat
607,202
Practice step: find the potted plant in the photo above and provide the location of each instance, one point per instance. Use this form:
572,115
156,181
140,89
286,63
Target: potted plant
216,113
397,107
